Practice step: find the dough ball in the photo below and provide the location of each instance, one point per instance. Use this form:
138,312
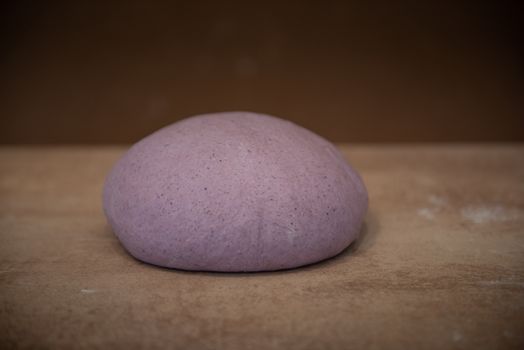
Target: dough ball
234,191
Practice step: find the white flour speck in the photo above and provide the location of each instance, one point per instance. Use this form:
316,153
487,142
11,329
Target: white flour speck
502,283
88,291
427,213
485,214
437,201
456,336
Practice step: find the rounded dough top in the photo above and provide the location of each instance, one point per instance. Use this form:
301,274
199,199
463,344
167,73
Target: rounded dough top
234,191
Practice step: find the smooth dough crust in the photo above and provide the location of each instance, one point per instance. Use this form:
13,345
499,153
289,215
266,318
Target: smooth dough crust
234,191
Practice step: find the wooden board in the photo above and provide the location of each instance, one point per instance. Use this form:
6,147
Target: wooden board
439,264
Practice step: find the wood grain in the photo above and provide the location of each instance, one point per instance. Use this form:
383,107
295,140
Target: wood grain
439,263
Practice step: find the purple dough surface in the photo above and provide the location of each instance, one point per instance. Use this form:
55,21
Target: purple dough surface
234,191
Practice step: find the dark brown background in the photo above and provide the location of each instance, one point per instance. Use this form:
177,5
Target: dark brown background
371,71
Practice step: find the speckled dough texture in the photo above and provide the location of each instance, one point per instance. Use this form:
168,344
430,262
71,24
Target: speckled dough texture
234,191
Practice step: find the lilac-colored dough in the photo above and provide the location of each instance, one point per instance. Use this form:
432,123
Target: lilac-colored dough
234,191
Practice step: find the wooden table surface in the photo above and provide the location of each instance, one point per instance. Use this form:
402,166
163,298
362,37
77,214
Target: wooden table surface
439,264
